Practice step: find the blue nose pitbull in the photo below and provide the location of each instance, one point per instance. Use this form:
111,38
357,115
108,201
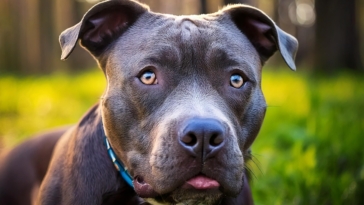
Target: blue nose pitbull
182,107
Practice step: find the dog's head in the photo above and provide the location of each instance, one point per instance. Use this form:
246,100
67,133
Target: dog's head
183,102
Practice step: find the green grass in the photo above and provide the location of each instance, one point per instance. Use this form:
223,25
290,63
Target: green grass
32,104
310,149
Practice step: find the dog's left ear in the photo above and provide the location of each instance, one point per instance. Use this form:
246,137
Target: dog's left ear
263,33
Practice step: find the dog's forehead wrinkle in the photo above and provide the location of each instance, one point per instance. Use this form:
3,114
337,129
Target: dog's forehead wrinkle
188,28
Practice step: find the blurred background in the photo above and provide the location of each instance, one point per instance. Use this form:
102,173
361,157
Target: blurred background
311,147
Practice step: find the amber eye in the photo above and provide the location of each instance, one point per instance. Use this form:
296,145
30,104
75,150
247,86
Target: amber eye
236,81
148,78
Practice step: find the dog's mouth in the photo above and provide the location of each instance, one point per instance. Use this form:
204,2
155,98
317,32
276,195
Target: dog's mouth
199,183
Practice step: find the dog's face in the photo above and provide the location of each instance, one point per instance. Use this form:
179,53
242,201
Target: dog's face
183,102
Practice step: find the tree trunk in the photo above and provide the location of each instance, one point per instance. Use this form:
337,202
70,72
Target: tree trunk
203,7
337,39
47,37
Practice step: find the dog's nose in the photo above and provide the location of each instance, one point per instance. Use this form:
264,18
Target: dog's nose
203,137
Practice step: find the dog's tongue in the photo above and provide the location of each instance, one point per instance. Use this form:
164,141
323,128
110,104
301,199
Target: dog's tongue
203,182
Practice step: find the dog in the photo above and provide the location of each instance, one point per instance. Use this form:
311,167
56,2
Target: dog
182,107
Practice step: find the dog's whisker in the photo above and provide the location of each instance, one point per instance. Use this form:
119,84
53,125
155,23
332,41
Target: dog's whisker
256,162
250,173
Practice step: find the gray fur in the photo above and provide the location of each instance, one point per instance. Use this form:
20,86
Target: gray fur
193,58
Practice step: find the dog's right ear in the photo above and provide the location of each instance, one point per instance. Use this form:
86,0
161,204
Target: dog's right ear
101,25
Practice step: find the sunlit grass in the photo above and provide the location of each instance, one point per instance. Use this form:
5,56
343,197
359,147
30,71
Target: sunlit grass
309,151
31,104
310,148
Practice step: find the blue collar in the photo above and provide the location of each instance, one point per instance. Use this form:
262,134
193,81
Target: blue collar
118,164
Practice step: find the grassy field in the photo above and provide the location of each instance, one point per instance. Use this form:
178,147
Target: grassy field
310,149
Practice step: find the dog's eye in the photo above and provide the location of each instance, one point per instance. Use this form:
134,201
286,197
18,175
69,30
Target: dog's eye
148,78
236,81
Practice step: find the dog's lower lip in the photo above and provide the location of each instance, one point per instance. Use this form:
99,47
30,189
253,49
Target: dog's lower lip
143,189
203,182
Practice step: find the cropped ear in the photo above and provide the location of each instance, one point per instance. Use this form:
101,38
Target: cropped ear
101,25
263,33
